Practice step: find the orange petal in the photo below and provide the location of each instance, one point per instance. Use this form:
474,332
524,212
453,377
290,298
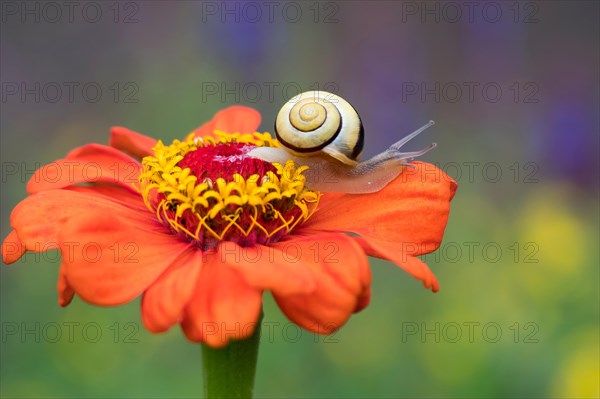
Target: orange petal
342,276
413,266
131,142
411,212
234,119
165,300
223,305
91,163
114,193
12,248
110,252
279,268
39,218
110,260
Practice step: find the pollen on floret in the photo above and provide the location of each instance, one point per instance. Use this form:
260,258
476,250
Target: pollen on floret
208,189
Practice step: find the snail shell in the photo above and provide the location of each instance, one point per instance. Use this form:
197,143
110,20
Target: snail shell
318,121
324,132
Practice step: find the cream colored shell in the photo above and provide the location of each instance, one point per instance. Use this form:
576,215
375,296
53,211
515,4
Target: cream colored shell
316,121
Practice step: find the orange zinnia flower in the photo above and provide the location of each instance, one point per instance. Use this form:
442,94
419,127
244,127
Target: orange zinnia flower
206,229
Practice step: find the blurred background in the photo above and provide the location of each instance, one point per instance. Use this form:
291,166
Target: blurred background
514,90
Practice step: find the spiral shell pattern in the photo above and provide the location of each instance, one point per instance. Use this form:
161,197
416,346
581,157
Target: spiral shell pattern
320,121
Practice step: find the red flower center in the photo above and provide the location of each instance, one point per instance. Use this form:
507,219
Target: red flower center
224,160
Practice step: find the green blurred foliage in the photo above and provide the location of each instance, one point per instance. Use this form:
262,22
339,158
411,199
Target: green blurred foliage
522,322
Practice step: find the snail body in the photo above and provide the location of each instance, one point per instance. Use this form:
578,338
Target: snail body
324,132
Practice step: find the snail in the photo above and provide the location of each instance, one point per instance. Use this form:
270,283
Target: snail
324,132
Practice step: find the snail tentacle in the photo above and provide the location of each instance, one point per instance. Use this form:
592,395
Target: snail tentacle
399,144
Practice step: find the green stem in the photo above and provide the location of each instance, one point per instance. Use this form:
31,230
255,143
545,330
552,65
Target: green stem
229,372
